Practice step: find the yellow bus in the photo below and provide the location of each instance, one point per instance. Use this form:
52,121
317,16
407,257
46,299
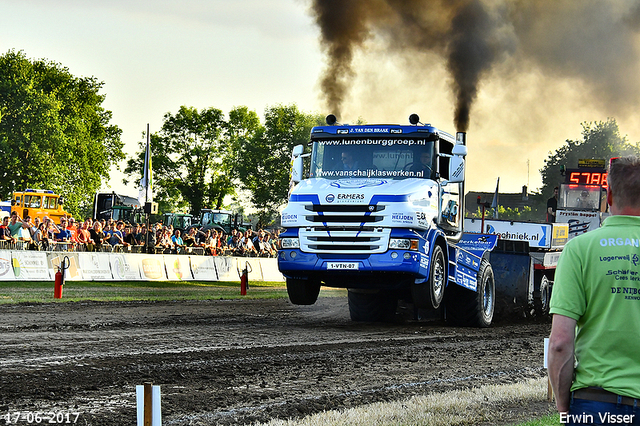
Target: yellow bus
38,203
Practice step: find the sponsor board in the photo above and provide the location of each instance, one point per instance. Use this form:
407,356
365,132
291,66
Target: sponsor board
6,271
579,222
269,271
203,268
178,267
560,235
227,268
95,266
538,235
72,269
125,267
99,266
153,268
30,265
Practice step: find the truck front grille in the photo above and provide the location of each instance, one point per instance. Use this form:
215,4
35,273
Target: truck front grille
344,229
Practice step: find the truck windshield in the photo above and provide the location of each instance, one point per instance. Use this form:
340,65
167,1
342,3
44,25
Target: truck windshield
373,158
581,197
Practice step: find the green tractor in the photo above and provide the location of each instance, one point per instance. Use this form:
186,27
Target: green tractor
220,220
181,221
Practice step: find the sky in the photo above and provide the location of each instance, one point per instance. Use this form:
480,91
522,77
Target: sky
154,56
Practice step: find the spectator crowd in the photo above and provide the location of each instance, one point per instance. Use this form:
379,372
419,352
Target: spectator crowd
117,236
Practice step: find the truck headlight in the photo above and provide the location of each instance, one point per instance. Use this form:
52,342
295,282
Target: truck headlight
290,243
403,244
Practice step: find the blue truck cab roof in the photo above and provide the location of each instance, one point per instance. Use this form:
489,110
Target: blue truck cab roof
389,130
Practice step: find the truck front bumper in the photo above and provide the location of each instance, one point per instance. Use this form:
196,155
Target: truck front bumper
335,269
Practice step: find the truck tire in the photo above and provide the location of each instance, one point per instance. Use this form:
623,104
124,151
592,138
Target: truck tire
303,292
473,308
542,297
371,305
429,295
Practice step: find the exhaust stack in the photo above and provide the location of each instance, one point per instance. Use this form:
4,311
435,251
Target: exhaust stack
461,138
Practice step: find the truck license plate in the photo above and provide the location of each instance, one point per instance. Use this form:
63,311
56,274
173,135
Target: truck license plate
351,266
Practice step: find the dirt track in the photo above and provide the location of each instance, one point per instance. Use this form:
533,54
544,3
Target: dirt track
237,362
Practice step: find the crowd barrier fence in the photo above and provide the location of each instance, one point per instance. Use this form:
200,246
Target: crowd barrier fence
29,265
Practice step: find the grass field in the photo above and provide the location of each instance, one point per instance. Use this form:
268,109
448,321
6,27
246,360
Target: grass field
74,291
484,405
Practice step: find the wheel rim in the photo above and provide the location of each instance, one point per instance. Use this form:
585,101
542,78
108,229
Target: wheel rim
438,277
487,298
544,294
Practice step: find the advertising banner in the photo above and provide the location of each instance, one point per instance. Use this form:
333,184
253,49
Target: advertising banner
6,271
579,222
203,268
538,235
227,268
270,270
95,266
152,268
125,266
178,267
30,265
99,266
72,265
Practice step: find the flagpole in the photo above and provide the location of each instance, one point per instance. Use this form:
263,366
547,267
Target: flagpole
145,177
147,172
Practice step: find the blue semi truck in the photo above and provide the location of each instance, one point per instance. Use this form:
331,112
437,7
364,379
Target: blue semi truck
380,213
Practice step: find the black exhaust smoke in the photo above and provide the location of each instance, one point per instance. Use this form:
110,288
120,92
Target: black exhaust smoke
465,40
591,40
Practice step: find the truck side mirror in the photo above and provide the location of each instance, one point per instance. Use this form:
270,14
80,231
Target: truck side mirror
296,170
460,150
297,151
456,163
296,163
456,169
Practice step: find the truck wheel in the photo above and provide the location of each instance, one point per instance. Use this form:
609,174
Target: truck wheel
429,295
303,292
372,305
473,308
542,297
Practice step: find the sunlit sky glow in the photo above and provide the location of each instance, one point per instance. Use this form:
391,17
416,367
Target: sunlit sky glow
155,56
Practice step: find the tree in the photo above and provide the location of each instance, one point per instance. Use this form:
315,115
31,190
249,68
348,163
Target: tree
187,165
265,161
54,132
243,129
601,140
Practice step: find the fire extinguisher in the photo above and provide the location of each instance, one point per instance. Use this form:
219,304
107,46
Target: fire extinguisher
244,279
59,278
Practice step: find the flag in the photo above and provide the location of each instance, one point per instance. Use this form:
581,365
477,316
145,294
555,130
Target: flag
494,203
145,194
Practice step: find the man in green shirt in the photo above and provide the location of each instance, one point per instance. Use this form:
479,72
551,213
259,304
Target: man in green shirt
15,224
594,348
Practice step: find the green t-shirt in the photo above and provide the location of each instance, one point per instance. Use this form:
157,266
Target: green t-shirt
597,283
15,228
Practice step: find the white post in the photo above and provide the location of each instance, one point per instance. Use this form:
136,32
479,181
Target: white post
148,405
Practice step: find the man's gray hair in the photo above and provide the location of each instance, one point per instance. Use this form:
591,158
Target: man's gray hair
624,181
